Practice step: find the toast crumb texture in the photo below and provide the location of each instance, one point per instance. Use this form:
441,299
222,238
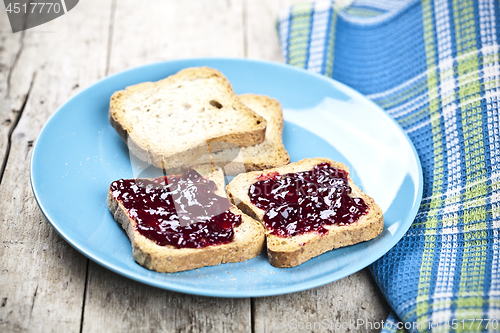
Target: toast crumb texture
172,122
247,243
292,251
269,154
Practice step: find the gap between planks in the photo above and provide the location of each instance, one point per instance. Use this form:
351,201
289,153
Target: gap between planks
16,120
106,73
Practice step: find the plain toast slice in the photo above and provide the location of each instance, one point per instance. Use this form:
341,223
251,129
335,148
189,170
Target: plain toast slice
269,154
171,123
248,239
292,251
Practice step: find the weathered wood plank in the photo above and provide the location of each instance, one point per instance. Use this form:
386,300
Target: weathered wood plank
42,277
131,307
344,301
11,46
260,29
142,34
261,37
165,30
348,305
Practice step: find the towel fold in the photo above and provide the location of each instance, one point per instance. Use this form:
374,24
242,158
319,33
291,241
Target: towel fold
434,67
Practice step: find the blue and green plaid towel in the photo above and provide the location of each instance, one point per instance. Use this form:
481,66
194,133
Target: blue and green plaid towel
434,67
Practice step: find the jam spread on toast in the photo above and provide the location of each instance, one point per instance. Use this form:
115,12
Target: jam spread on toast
302,202
180,210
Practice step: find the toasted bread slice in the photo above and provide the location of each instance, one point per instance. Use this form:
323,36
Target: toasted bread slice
170,123
269,154
292,251
247,243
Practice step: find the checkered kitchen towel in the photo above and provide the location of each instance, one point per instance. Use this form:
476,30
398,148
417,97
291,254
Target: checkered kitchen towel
433,65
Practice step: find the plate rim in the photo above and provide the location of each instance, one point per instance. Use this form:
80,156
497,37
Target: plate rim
304,285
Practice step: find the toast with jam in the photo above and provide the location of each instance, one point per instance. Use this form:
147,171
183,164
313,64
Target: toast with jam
269,154
183,221
307,208
173,122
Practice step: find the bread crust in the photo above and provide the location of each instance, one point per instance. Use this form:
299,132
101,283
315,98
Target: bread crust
247,243
269,154
251,133
292,251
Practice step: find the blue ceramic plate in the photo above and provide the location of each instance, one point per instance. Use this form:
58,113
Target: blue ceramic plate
78,154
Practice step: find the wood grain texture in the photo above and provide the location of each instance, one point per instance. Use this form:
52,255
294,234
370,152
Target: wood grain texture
171,29
42,277
11,47
261,37
335,307
168,30
134,307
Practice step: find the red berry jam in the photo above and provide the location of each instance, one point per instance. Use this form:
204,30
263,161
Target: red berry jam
297,203
182,210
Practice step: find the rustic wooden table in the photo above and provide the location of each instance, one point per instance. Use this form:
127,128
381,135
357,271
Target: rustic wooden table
46,285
